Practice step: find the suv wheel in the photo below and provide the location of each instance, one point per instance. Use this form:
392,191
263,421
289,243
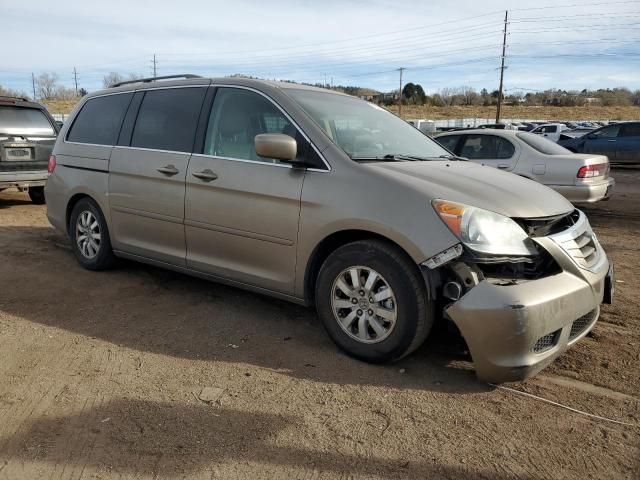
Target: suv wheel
372,301
90,236
36,194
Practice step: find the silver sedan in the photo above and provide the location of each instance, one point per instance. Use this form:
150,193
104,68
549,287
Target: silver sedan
579,177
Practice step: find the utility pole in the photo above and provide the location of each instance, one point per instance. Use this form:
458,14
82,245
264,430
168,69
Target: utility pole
155,66
504,48
33,84
400,93
75,79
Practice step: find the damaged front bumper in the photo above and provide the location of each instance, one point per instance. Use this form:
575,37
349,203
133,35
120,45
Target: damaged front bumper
515,329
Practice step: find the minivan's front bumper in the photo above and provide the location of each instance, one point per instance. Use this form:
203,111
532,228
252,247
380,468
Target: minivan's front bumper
515,330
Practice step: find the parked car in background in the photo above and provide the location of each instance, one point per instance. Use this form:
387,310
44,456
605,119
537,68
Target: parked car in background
526,126
498,126
324,199
27,135
620,142
550,131
580,178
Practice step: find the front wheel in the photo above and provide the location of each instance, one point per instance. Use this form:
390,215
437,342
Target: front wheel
372,301
36,194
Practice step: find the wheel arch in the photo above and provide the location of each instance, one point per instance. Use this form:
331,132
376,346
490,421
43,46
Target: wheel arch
328,245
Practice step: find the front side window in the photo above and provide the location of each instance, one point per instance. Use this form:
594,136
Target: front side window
364,130
100,120
168,118
481,147
239,115
23,120
606,132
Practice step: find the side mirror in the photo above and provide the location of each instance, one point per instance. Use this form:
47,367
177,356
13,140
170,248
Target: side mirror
276,145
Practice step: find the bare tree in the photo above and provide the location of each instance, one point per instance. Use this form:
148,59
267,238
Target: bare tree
8,92
111,78
46,85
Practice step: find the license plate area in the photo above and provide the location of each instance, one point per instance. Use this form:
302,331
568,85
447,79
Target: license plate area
18,154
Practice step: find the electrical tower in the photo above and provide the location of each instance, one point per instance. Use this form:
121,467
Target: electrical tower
502,67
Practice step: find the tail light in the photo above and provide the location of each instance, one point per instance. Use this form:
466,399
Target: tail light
590,171
52,164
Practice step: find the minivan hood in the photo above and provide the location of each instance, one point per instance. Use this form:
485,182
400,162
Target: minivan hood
477,185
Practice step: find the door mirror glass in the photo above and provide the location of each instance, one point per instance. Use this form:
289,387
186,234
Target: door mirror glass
276,145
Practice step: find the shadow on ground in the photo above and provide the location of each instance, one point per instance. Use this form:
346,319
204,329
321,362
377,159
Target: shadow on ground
155,310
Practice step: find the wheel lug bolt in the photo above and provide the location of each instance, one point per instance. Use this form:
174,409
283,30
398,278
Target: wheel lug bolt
354,300
371,300
362,293
359,312
370,312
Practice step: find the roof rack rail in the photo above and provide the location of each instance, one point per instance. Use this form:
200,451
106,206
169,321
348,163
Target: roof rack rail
11,97
153,79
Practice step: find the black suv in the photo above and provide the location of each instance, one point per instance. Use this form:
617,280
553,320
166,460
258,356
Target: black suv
27,135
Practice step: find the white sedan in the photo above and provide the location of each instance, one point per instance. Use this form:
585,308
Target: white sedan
579,177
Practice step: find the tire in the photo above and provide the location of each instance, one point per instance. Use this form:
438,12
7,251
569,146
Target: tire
36,194
87,219
414,314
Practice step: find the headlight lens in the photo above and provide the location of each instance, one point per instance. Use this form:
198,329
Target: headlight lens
484,231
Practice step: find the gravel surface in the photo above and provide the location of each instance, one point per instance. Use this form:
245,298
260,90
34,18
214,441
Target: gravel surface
145,373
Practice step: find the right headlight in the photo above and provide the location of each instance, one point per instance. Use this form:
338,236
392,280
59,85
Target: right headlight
484,231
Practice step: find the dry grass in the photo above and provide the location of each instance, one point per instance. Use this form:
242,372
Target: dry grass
522,112
508,111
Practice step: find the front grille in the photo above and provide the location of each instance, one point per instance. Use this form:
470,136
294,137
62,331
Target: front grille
579,325
580,243
547,342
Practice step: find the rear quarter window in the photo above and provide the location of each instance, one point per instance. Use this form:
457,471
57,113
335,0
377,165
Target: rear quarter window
168,118
100,120
449,141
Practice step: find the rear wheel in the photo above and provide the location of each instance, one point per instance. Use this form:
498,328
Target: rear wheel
90,236
372,301
36,194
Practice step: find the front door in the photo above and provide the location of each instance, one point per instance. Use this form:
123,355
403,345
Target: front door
603,141
242,210
147,177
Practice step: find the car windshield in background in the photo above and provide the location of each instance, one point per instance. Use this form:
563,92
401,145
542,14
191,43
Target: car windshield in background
25,121
541,144
364,130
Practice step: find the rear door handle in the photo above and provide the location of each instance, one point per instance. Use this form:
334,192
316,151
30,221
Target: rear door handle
503,166
612,140
205,175
169,170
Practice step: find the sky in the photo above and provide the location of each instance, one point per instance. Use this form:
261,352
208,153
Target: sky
445,44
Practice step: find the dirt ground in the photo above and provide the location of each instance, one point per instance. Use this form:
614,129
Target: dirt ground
144,373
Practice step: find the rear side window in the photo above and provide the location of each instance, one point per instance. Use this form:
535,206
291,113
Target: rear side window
479,147
100,120
449,142
168,118
24,120
631,130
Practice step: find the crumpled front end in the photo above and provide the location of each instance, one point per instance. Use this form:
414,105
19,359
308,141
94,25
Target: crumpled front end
516,324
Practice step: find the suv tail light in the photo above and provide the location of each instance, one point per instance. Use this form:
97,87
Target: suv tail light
52,164
590,171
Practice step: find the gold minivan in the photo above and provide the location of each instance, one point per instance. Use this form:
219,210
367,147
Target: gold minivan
323,199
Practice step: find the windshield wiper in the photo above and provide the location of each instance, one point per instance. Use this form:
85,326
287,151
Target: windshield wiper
455,158
391,157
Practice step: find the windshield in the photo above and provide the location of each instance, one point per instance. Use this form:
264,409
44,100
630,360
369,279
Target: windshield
26,121
364,130
541,144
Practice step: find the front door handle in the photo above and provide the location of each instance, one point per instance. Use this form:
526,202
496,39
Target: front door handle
612,140
169,170
205,175
503,166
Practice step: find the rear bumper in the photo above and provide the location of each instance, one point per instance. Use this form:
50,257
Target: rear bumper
587,193
23,179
